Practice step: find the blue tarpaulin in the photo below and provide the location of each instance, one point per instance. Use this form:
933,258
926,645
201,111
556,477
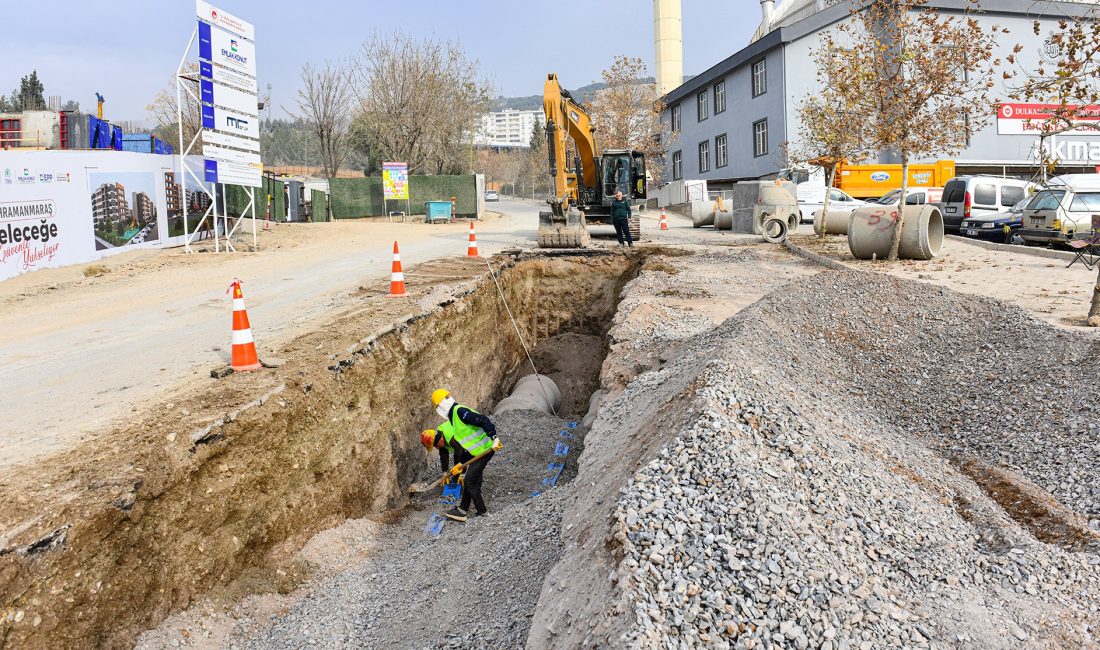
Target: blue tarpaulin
116,138
99,133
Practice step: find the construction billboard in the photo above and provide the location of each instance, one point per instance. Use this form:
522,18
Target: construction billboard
61,207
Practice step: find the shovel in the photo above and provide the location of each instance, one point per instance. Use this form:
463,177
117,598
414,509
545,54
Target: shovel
419,488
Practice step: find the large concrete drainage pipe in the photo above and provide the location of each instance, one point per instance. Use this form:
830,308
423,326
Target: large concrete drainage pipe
870,229
835,224
532,393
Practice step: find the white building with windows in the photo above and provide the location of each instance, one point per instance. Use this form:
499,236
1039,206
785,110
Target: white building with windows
507,129
729,122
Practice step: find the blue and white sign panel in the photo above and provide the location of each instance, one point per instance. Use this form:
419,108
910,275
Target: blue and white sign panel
227,70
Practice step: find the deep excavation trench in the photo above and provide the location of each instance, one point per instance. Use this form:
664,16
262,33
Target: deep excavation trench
224,516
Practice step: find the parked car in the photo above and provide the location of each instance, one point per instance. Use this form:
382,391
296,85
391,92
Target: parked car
1002,227
965,197
491,195
1063,210
917,196
839,203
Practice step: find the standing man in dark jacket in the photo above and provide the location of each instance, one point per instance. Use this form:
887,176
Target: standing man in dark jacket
620,218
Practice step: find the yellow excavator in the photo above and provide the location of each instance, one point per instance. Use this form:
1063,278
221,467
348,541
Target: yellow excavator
582,193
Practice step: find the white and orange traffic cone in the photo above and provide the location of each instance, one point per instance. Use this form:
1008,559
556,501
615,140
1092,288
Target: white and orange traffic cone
397,276
664,220
244,347
471,250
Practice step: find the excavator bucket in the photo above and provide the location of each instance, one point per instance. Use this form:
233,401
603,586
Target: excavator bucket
557,232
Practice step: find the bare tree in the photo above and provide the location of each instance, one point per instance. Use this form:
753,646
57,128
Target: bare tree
627,112
163,110
830,132
418,101
325,103
922,79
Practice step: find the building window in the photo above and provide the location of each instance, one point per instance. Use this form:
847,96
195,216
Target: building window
704,156
759,78
760,138
719,97
721,158
702,106
677,165
676,118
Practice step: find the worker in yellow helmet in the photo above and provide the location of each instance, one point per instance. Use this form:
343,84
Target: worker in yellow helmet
472,435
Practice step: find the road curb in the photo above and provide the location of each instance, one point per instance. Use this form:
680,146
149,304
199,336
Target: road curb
817,259
1023,250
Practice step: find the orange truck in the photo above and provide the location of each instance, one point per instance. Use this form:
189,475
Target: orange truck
873,181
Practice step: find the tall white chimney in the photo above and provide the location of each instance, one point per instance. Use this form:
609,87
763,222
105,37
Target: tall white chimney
668,45
767,10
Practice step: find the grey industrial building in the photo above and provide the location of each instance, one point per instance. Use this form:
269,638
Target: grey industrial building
728,123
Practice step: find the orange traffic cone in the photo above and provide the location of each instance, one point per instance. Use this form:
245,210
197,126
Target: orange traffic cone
664,220
471,251
397,277
244,347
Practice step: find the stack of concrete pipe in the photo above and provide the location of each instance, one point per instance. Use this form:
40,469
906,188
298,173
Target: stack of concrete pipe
532,393
871,228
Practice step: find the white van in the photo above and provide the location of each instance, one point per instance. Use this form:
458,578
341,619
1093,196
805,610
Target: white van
1062,210
810,190
975,196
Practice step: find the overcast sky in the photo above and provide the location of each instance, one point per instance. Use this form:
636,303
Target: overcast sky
128,49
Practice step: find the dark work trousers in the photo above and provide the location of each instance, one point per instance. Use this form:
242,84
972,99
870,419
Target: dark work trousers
622,229
471,485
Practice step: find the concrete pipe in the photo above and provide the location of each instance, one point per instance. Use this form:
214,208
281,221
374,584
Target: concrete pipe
870,229
723,221
775,231
532,393
837,223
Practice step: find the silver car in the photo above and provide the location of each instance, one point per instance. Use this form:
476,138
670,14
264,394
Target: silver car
1063,210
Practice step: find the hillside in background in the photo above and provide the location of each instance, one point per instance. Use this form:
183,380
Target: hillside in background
534,102
583,94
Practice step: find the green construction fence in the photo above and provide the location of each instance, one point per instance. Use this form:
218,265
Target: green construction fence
353,198
236,200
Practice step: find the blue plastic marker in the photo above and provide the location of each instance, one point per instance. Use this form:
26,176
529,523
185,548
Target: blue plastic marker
435,525
452,490
562,449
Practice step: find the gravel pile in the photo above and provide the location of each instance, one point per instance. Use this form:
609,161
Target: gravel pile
809,503
475,586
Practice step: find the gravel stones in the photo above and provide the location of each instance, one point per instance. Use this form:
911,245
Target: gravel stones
807,501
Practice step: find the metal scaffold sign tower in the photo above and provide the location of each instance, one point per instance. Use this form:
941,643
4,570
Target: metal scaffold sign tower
228,106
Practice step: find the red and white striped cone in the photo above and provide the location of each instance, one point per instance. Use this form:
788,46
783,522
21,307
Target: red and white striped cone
244,355
397,276
664,220
471,250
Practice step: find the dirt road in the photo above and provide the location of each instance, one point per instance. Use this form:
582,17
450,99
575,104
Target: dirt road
82,353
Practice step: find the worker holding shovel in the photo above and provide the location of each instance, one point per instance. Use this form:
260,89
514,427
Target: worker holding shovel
472,437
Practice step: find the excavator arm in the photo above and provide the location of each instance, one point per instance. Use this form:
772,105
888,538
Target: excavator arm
566,118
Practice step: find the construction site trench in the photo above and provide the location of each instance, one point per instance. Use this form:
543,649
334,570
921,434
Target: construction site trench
221,511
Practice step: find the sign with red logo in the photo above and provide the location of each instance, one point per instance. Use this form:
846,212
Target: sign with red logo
1033,119
225,20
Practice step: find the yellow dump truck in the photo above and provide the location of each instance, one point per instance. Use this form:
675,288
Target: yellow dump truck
873,181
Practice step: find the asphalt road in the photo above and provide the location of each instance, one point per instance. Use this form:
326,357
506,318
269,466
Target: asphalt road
78,360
